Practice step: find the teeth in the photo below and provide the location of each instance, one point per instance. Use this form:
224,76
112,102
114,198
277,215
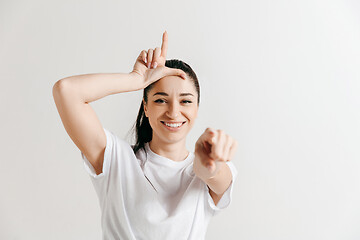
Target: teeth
173,125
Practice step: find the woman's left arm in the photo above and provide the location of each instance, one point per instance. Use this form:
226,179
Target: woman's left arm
212,150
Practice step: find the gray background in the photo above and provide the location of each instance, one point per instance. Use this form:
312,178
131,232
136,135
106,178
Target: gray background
281,77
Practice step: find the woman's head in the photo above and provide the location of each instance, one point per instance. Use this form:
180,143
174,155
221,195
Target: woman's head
168,100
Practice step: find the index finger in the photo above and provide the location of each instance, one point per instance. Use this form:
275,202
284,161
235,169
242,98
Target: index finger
211,135
210,138
164,45
207,139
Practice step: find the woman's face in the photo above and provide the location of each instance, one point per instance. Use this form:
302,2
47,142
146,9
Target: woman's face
172,100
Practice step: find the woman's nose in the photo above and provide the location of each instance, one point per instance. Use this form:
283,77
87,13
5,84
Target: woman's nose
173,111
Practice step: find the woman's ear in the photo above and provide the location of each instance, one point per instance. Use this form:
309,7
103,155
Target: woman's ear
145,108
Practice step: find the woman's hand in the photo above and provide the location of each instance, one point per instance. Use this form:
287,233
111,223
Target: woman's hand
212,149
150,65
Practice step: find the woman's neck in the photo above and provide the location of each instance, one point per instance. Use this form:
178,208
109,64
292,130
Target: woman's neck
175,151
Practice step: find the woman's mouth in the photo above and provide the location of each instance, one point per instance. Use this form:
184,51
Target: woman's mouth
173,126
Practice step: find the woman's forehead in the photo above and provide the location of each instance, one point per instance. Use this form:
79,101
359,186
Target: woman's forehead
173,85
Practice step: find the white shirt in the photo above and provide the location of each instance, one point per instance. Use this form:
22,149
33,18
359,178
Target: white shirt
148,196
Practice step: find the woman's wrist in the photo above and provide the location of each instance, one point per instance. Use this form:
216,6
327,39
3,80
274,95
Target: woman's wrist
203,172
137,79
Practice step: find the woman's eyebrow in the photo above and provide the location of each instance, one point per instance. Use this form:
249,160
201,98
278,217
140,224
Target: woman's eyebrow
165,94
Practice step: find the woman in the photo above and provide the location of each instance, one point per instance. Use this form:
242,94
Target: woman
155,189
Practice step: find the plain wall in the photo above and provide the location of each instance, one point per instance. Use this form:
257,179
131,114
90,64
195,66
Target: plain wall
281,77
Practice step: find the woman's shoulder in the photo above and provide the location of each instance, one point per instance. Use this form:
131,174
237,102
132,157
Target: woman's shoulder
123,149
115,141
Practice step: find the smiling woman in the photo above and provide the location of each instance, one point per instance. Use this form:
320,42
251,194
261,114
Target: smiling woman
156,188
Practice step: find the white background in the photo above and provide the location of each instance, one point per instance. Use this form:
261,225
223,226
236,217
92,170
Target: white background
281,77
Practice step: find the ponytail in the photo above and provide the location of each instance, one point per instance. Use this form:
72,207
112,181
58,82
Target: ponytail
143,130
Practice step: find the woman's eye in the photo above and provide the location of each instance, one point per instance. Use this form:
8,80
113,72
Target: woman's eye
163,101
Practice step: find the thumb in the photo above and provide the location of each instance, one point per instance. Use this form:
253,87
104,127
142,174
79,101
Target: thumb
174,72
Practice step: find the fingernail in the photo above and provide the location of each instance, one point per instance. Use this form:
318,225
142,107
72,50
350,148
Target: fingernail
145,60
155,64
148,65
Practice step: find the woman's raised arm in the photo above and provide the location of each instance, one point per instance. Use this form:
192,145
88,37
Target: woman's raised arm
72,97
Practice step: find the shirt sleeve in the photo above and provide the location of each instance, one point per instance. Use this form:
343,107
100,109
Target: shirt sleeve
226,198
108,157
101,181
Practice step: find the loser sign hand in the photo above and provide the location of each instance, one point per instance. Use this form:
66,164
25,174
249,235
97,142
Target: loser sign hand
150,65
212,148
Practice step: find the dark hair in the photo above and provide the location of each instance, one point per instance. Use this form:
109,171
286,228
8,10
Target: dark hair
143,130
